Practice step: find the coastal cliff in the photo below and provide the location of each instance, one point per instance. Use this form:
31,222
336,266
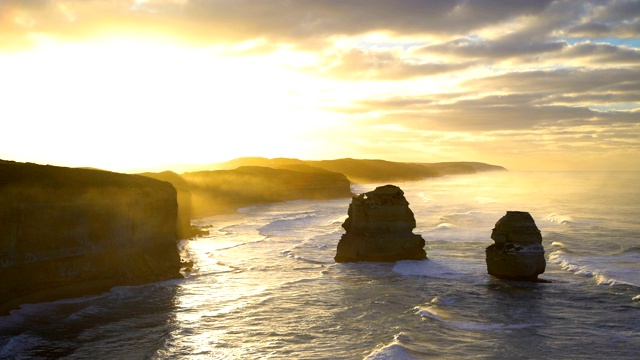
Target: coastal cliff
69,232
183,221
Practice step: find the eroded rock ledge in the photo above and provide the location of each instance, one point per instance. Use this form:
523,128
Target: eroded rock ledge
69,232
379,228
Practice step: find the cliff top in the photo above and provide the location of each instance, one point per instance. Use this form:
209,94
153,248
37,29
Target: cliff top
16,173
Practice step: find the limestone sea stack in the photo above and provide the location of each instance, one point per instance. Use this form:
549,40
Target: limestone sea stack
379,228
518,253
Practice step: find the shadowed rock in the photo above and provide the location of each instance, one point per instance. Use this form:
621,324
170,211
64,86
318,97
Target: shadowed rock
518,253
379,228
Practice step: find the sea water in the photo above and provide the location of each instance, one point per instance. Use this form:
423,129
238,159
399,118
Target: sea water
265,284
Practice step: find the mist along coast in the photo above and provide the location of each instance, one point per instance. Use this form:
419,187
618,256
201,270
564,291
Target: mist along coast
68,232
264,282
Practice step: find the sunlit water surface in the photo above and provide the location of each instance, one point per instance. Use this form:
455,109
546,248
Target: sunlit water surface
265,284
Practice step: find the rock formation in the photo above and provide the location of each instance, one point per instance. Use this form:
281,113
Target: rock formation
518,253
379,228
70,232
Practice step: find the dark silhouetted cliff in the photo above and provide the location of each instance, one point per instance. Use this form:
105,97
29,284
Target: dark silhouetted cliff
68,232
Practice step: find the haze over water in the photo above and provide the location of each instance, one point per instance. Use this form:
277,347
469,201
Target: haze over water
265,284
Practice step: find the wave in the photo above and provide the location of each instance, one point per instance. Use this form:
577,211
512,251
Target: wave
18,344
425,198
290,222
631,250
445,226
559,219
603,269
292,255
430,312
394,350
338,221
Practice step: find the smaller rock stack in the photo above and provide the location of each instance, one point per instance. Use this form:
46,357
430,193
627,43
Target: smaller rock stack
379,228
518,253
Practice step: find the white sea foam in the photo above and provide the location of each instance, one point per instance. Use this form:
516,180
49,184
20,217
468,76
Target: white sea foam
445,226
439,300
559,219
394,350
636,298
605,270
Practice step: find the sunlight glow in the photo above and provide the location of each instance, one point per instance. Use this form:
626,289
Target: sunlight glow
146,95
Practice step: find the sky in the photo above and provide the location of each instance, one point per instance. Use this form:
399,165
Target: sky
120,85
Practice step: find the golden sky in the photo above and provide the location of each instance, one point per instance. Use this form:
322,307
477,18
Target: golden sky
116,84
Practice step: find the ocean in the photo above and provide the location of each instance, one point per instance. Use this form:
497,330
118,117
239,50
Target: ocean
265,285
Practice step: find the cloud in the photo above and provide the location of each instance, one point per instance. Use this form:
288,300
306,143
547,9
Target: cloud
600,53
619,18
295,22
567,81
478,48
357,64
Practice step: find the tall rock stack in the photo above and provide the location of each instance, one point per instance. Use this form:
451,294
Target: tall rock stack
518,253
379,228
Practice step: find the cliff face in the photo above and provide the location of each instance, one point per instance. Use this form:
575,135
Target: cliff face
183,221
379,228
68,232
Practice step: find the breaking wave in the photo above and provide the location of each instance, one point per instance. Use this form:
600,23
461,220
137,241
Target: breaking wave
559,219
429,312
603,269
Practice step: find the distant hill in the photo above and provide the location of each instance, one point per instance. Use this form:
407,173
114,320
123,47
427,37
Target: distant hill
463,166
368,171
